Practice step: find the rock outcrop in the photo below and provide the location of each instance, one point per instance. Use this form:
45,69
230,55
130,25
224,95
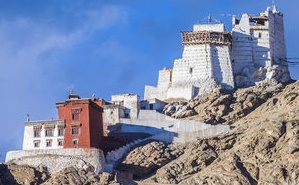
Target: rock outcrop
12,174
22,174
76,176
144,160
220,107
263,148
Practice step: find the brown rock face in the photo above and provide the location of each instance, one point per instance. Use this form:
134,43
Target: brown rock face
75,176
263,148
145,159
218,107
21,174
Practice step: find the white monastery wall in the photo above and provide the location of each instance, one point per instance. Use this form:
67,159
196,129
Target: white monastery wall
57,159
261,45
165,78
241,45
209,27
277,39
260,55
151,92
195,65
32,142
186,92
111,115
130,101
164,82
221,66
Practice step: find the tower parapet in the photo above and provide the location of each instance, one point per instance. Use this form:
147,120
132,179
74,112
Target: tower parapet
206,37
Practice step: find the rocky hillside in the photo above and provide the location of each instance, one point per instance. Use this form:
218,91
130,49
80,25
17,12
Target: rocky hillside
261,148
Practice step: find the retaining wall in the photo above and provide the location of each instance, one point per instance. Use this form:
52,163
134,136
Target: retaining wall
170,129
57,159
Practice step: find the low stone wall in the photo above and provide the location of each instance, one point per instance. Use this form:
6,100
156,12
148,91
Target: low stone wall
57,159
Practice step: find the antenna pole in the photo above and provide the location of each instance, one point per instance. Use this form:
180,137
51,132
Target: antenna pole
209,19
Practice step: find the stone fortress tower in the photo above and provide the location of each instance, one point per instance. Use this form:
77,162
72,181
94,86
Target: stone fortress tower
252,52
258,48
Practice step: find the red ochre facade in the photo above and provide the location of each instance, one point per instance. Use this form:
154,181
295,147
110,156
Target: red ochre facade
88,121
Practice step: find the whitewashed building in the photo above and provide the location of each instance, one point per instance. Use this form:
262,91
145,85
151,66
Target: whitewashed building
45,134
252,52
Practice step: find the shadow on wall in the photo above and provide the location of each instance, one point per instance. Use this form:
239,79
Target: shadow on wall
130,132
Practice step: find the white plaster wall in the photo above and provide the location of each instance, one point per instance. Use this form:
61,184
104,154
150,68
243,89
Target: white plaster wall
111,115
164,80
241,46
187,92
195,58
130,101
259,46
209,27
57,159
28,140
277,38
221,66
151,92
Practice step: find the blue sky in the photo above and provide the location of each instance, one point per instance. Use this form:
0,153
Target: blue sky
99,47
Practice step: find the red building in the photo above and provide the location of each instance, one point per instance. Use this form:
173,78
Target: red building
83,121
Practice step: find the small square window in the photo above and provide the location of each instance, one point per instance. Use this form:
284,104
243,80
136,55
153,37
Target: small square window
75,142
76,113
48,142
191,70
60,131
36,131
60,142
49,131
36,143
75,130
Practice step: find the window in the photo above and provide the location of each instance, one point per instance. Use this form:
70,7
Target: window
75,142
260,35
60,142
36,143
36,131
60,131
48,142
191,70
49,131
75,130
151,106
76,114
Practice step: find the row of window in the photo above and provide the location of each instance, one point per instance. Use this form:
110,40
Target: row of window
36,143
49,131
49,142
